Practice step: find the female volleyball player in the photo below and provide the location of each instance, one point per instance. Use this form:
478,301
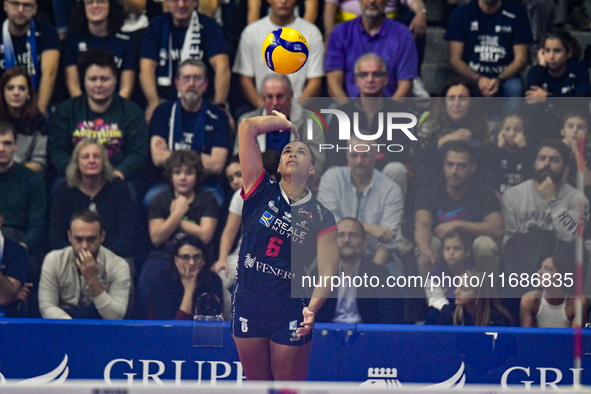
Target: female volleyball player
271,329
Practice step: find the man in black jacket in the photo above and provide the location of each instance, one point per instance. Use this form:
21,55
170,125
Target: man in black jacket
363,304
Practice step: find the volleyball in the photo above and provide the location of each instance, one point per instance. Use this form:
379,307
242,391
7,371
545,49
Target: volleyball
285,50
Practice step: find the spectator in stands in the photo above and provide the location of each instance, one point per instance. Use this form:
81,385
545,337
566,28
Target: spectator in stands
84,280
92,186
372,32
510,159
457,116
562,75
31,44
476,305
550,305
361,191
13,272
352,305
545,202
251,67
100,113
182,34
186,210
190,122
97,24
308,10
277,93
458,203
19,107
574,125
457,253
410,12
23,199
371,77
176,293
488,44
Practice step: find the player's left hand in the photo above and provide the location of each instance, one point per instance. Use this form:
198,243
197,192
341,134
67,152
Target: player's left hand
307,324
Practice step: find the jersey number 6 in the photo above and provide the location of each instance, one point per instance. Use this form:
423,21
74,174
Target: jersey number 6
274,246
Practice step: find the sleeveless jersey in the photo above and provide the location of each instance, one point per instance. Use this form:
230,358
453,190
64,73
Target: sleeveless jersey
278,239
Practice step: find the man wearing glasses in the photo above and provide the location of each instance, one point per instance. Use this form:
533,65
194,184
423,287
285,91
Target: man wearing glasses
182,34
371,78
371,32
190,122
362,192
84,280
31,44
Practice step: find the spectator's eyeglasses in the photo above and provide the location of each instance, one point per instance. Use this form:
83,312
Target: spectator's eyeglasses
18,4
375,74
91,2
187,257
198,79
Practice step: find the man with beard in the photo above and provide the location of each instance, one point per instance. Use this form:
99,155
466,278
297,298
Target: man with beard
372,32
488,43
84,280
190,122
277,94
364,304
115,122
546,202
31,44
458,203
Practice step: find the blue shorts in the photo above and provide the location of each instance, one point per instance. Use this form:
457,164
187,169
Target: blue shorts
253,317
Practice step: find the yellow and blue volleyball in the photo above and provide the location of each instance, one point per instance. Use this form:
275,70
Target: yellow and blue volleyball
285,50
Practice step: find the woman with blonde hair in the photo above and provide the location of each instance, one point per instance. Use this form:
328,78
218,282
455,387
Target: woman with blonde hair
91,185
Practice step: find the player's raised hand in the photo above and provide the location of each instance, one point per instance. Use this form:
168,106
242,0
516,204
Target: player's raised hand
287,125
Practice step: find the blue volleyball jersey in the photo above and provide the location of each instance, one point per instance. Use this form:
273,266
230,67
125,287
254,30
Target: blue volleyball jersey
278,239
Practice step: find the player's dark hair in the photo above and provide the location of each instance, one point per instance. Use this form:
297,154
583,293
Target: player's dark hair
188,158
271,160
96,57
87,216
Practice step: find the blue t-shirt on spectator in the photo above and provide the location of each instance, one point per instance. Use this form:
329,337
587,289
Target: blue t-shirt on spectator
489,39
574,82
212,44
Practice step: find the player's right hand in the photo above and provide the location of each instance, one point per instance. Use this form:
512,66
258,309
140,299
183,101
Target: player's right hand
287,126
